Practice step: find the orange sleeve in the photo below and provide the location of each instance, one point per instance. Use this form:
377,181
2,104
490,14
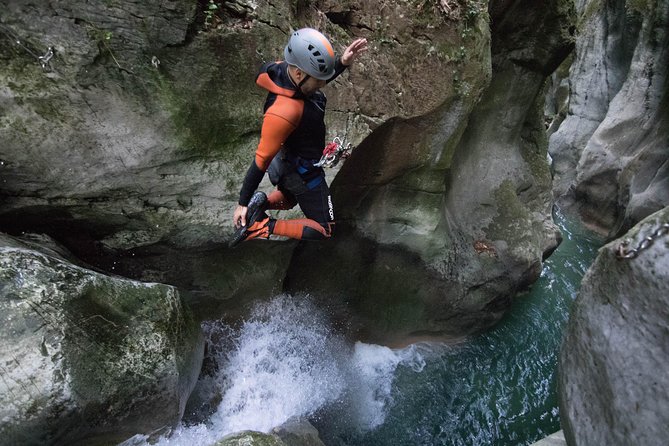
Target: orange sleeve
279,122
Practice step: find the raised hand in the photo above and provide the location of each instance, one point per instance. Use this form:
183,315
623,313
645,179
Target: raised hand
357,47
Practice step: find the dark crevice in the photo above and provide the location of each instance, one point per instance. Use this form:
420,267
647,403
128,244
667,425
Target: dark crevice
343,18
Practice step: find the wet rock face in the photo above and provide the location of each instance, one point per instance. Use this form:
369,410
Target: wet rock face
611,153
613,385
88,356
145,120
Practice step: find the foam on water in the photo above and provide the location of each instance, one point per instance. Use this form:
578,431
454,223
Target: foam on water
373,370
286,362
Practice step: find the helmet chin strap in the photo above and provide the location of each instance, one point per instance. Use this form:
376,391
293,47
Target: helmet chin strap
306,78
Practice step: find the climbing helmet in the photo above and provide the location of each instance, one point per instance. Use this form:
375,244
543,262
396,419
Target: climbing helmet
311,52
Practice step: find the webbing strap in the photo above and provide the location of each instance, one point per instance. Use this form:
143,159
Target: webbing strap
306,169
315,182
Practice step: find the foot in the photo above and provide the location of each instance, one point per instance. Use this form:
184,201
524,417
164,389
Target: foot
254,215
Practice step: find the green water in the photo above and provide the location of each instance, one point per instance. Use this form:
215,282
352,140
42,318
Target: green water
499,388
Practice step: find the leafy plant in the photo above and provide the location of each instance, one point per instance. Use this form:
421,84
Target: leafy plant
210,14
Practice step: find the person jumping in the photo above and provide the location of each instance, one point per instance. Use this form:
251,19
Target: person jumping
292,139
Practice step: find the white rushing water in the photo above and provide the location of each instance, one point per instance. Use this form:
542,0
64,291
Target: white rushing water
285,362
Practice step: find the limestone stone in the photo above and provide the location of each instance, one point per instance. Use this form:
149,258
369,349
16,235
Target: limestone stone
442,218
554,439
298,432
612,151
88,358
613,385
250,438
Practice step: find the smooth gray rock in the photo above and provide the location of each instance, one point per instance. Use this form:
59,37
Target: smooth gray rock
554,439
88,358
611,153
250,438
298,432
613,380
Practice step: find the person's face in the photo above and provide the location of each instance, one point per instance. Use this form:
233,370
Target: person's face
311,85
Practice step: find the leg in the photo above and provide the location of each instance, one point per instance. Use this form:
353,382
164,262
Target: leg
281,200
317,207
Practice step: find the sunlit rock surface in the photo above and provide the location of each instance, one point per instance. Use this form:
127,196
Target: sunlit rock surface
88,358
613,380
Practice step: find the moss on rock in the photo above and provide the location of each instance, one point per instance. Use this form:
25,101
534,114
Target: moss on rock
103,357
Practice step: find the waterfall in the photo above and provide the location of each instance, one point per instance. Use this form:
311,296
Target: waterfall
285,361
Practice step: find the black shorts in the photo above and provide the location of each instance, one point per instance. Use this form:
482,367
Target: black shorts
316,203
314,200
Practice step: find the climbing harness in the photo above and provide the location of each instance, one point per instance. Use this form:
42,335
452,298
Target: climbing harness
43,60
626,253
333,152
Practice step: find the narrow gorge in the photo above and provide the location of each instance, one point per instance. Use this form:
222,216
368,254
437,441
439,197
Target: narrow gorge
487,135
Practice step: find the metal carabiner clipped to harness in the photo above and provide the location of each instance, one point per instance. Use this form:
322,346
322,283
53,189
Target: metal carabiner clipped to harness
333,153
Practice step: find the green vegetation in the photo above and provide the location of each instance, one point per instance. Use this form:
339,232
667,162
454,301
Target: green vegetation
211,17
103,39
641,7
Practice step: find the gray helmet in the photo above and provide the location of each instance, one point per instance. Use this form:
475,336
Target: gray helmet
311,52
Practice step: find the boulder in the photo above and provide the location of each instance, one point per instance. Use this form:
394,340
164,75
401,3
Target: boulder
298,432
611,153
613,385
295,432
88,358
250,438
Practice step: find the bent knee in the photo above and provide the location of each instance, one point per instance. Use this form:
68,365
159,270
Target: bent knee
319,232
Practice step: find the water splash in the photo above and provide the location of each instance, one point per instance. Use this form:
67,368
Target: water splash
286,362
